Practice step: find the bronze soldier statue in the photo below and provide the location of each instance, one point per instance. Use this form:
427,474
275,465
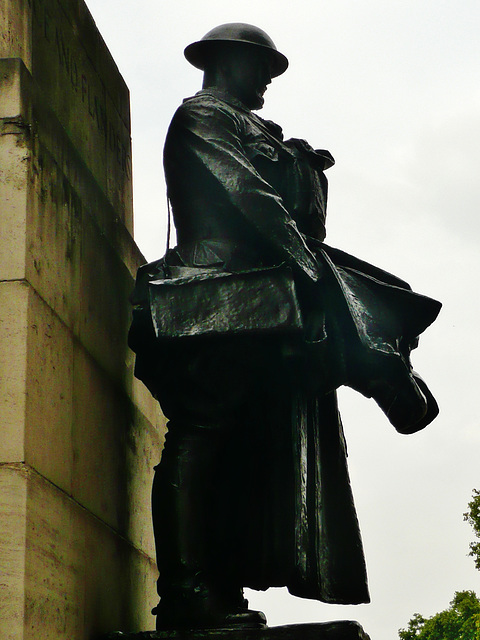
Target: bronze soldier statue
243,332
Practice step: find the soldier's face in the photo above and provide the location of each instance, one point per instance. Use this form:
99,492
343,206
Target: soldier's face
249,74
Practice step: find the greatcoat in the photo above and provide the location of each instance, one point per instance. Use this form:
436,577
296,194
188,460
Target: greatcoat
245,201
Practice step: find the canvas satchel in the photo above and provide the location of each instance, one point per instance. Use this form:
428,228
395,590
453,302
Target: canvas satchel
201,301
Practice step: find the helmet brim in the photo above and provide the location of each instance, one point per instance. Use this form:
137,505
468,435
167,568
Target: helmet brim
197,53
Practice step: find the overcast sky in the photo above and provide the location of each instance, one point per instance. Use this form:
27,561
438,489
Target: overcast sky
392,89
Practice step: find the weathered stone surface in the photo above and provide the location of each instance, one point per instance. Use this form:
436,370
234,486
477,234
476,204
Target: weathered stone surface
143,449
116,574
102,418
49,385
65,574
14,155
74,253
141,397
339,630
68,242
13,369
64,52
80,266
115,483
13,540
79,435
54,560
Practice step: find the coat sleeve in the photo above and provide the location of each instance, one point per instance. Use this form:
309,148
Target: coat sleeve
204,139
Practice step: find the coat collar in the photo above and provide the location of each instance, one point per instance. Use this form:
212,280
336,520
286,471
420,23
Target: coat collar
223,95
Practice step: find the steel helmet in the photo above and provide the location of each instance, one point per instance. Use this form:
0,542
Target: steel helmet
240,32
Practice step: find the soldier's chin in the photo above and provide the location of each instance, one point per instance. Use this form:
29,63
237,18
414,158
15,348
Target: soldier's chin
259,102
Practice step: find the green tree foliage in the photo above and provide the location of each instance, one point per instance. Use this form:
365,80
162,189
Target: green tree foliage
461,621
473,517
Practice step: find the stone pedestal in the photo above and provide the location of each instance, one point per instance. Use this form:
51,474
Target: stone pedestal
339,630
79,436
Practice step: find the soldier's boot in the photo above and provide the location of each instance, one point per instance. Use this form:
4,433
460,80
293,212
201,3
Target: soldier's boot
189,597
400,392
409,405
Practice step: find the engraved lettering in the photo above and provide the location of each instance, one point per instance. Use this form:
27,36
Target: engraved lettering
101,116
84,87
45,20
35,13
74,75
90,104
46,25
63,51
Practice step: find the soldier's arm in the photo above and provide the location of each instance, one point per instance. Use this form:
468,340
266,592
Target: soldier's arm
205,140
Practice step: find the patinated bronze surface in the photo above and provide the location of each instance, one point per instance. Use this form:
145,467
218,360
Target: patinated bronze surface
243,332
340,630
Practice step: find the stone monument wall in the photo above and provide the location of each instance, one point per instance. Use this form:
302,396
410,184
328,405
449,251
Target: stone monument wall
79,436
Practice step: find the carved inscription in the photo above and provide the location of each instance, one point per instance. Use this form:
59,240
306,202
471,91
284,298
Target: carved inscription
79,79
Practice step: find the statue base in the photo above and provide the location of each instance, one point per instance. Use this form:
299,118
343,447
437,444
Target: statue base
339,630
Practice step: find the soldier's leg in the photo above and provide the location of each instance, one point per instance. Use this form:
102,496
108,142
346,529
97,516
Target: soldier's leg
201,397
